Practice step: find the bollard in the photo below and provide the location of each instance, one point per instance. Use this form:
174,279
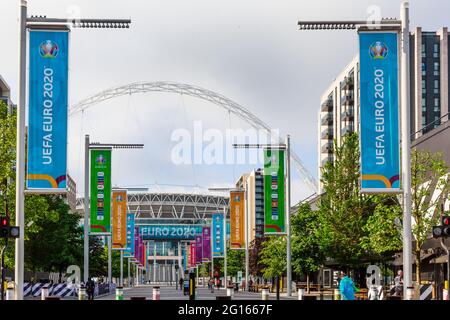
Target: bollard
265,293
119,293
373,293
156,293
336,294
230,291
301,292
44,292
82,293
10,293
410,293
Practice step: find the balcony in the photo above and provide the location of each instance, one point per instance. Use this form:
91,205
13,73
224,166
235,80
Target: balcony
327,106
348,99
327,148
348,83
327,160
327,120
327,134
347,129
347,114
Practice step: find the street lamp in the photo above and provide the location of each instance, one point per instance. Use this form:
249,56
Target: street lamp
36,22
88,147
401,26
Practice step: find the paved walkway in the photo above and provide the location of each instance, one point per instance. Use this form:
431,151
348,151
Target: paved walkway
170,293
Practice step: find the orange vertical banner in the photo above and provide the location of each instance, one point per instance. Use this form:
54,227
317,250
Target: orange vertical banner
237,205
119,219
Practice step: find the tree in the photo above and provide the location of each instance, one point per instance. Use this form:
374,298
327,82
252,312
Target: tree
384,227
343,211
307,255
273,257
429,174
115,264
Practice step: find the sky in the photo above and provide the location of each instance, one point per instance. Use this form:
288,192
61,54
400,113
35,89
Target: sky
250,51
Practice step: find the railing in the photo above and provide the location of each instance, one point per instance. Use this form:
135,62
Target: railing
327,106
347,114
327,135
347,84
347,129
327,120
348,99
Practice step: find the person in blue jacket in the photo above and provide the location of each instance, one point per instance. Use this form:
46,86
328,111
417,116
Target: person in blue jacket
347,287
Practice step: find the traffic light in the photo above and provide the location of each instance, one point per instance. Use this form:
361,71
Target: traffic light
445,226
4,227
6,231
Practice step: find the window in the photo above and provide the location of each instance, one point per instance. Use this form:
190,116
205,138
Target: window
424,85
424,69
436,86
424,121
436,102
424,50
436,68
436,50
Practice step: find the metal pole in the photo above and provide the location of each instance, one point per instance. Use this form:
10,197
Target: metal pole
406,149
109,261
225,244
2,289
447,251
20,157
86,208
121,268
128,279
180,263
246,239
137,274
288,215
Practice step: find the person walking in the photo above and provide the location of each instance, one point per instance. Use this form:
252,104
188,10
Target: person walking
181,281
398,284
347,287
90,288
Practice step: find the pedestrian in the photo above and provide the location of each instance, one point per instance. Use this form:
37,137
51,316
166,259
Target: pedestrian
398,284
347,287
90,288
181,281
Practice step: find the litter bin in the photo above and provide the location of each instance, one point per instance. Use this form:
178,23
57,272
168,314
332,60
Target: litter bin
44,292
119,293
301,292
82,293
265,293
230,291
336,294
156,293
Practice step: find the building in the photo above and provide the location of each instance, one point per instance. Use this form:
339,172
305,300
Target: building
5,92
253,183
71,193
430,67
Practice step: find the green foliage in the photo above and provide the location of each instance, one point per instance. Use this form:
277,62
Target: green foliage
235,262
384,227
307,255
343,211
273,257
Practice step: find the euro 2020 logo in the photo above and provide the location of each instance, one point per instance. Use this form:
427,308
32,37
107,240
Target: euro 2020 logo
378,51
48,49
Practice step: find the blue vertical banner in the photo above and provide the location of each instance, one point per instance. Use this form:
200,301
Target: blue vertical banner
380,143
129,251
48,101
217,235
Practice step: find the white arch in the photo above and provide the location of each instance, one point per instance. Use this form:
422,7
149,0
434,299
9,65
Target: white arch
198,92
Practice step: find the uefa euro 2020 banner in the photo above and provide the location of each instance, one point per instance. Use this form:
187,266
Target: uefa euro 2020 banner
237,203
100,191
274,186
119,219
48,100
380,143
217,235
198,249
206,238
129,251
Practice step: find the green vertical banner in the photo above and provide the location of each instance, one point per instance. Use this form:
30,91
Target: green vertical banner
100,190
274,186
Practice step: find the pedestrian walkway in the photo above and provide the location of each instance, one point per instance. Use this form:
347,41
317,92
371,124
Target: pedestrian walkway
171,293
